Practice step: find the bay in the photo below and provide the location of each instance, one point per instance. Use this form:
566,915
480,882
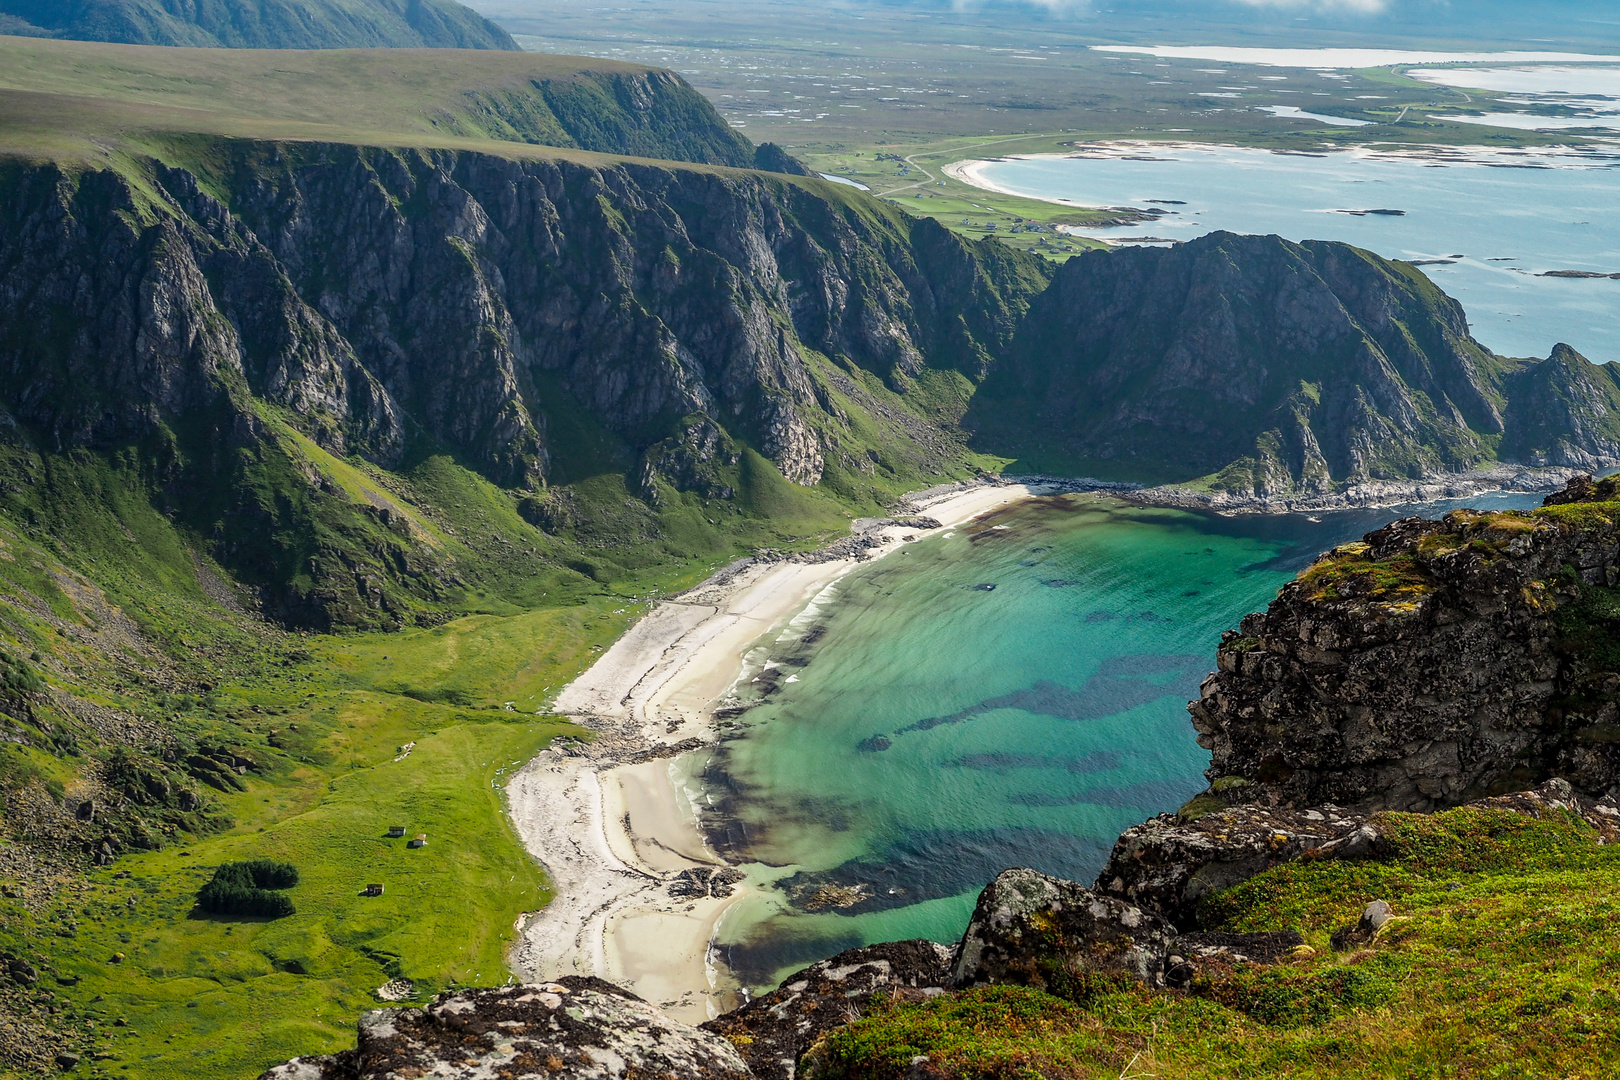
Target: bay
1009,693
1483,224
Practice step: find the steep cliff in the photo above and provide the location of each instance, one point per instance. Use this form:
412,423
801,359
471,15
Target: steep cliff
1435,662
267,24
388,305
1270,367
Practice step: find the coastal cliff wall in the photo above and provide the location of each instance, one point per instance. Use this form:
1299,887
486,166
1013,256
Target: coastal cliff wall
1434,663
1271,368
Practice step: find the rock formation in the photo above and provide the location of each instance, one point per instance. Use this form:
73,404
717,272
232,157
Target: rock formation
1276,368
1433,663
578,1027
773,1031
1035,930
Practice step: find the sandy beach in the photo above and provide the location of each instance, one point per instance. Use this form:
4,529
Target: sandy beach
607,820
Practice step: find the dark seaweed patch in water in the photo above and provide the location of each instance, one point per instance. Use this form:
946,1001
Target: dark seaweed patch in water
938,863
773,946
1097,761
1098,616
1147,795
1121,683
874,745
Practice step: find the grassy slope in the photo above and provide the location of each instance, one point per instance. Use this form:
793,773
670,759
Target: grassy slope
77,99
1499,964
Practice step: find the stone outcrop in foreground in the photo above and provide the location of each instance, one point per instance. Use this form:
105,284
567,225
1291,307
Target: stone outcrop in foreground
772,1032
1167,864
578,1027
1434,663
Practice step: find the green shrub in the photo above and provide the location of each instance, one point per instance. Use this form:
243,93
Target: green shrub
248,888
17,676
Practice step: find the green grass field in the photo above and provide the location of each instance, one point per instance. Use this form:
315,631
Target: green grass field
113,604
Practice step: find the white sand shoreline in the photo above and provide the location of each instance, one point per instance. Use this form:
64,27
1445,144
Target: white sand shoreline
606,818
971,171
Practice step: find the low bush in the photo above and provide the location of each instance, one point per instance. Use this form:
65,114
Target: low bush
249,888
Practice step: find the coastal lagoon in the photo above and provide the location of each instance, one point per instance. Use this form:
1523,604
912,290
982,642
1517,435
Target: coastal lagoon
1010,692
1483,224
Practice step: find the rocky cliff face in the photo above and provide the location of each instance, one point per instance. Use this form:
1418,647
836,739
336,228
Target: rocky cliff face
1433,663
368,299
1278,368
268,24
514,313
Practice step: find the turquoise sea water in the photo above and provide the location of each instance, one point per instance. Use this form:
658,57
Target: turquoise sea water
1007,693
1486,222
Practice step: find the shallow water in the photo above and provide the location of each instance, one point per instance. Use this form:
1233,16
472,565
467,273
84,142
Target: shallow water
1492,220
919,731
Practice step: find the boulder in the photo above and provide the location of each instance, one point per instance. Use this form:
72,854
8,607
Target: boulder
578,1026
1365,929
1168,863
772,1032
1038,931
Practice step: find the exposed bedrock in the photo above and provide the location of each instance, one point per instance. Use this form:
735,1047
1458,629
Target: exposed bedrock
773,1031
1433,663
577,1027
1171,862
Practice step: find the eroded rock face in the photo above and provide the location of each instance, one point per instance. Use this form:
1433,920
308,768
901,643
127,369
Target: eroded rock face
1434,663
772,1032
576,1027
1038,931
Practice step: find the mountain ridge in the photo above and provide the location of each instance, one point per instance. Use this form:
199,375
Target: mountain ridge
1267,368
265,24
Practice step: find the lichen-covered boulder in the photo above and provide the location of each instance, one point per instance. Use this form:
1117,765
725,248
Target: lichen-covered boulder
1039,931
772,1032
1170,862
576,1027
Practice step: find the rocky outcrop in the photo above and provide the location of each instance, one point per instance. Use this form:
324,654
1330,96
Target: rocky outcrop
1281,369
773,1031
1169,863
266,24
1433,663
576,1027
1039,931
